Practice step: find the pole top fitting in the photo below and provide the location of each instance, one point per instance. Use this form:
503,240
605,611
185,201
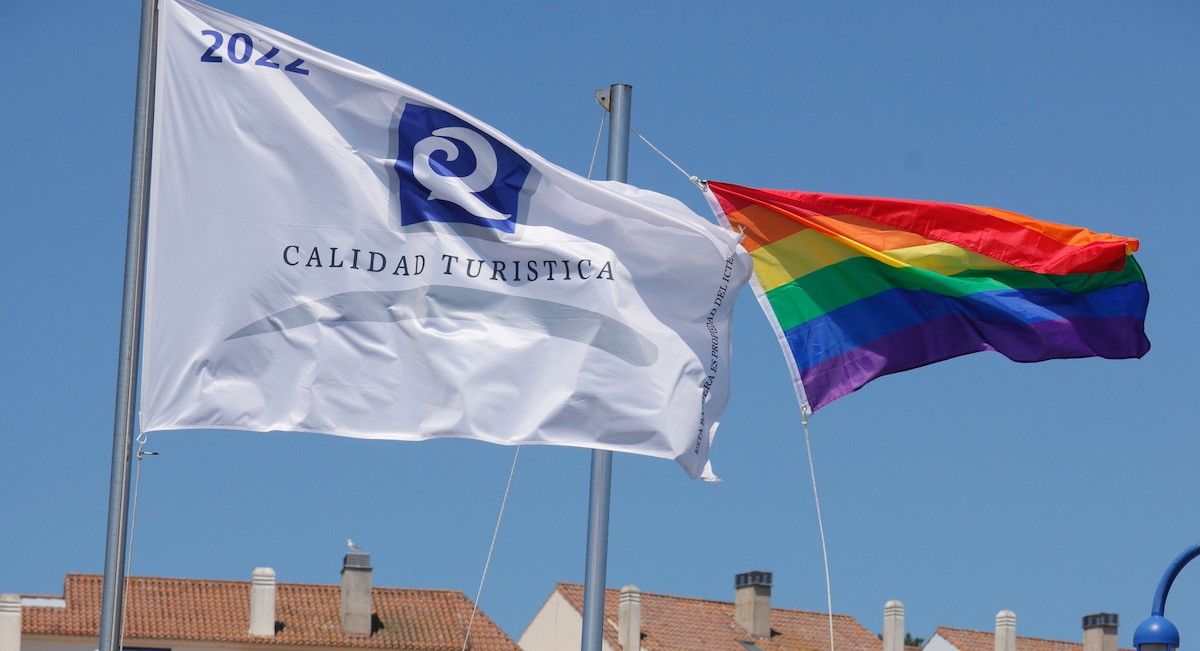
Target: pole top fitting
603,95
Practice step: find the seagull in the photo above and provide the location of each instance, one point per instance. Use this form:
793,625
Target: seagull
354,549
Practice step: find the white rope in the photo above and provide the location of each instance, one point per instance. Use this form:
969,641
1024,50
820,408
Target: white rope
820,525
695,180
596,147
492,547
142,439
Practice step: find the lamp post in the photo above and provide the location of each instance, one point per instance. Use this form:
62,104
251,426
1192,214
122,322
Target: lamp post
1157,633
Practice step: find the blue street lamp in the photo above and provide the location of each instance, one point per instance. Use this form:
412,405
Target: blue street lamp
1157,633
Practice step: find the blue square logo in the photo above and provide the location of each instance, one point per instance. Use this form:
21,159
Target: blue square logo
449,171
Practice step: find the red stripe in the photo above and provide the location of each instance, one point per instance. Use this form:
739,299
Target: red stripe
964,226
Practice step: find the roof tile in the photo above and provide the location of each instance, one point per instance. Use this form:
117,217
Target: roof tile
968,640
307,615
671,623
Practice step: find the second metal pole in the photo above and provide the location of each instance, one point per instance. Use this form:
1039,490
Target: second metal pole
619,99
112,602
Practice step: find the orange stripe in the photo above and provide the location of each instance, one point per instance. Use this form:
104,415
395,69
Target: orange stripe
873,234
1070,235
765,225
762,225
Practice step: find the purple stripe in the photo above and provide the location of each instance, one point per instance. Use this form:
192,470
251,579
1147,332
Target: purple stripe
954,335
842,330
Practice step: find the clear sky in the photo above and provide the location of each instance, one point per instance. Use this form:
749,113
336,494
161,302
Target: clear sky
975,485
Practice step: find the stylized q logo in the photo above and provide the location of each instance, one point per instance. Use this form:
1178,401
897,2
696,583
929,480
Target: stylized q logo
451,171
459,190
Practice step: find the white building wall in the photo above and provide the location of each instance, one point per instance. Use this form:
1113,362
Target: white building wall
938,643
31,643
555,627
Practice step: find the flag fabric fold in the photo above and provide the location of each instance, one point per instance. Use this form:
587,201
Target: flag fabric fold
860,287
333,251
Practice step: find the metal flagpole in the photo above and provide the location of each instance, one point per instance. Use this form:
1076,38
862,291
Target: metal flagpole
112,605
619,98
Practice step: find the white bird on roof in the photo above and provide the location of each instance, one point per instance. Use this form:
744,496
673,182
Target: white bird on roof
354,549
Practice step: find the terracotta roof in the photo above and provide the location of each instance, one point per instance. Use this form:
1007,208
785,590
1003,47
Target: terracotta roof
307,615
683,624
967,640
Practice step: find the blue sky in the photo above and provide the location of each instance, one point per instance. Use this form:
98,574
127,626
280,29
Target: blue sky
1054,489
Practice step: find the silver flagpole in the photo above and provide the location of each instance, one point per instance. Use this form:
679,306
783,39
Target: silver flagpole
112,606
619,98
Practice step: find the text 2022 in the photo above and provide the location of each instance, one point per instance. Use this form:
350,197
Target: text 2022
239,49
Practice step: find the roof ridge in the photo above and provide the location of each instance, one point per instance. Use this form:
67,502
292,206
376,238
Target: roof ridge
85,575
1046,639
704,599
1027,637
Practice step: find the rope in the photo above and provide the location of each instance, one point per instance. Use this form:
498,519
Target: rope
596,147
492,547
142,453
820,524
694,180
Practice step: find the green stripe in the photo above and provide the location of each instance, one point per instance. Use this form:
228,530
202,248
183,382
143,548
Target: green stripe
838,285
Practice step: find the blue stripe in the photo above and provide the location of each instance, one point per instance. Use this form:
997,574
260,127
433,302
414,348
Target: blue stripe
866,320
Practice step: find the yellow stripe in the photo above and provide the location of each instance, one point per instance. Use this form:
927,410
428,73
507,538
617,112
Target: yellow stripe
946,259
800,254
796,255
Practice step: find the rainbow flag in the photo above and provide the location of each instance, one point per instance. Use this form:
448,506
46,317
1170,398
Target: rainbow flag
859,287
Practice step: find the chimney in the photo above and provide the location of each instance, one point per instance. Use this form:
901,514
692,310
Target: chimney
893,626
262,602
629,618
752,602
1100,632
1006,631
10,622
356,594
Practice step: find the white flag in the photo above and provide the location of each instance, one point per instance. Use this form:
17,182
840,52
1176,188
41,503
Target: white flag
333,251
